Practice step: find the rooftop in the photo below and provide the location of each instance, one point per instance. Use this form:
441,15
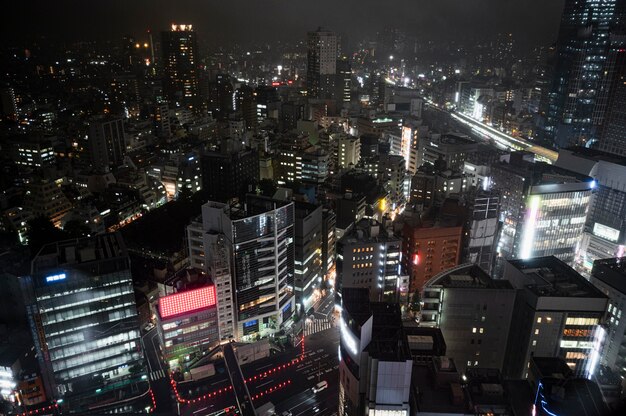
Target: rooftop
597,155
80,251
612,272
549,276
468,276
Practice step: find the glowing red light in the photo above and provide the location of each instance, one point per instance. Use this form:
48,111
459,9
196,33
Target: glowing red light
290,82
275,84
189,301
416,259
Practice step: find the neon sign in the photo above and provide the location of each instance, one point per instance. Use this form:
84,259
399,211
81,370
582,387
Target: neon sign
55,278
185,302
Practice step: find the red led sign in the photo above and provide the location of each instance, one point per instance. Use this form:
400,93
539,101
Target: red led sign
189,301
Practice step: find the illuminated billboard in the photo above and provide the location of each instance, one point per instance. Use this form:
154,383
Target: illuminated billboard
189,301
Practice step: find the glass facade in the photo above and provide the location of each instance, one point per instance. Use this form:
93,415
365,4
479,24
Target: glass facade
553,225
84,319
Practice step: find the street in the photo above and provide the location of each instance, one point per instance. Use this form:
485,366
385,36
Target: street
157,373
320,363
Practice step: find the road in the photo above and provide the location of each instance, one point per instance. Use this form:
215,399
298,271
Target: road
320,363
157,373
499,138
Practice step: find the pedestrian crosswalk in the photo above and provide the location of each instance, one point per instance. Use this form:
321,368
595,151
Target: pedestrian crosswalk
316,325
157,375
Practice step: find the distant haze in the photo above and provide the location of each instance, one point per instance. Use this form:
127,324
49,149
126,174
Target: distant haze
531,21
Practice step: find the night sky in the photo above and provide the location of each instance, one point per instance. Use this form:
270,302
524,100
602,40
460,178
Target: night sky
531,21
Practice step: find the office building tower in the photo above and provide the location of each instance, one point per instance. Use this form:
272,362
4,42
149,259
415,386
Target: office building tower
245,105
209,252
81,308
577,94
428,248
321,64
375,364
161,118
315,165
368,256
106,143
180,60
32,152
610,137
258,237
473,312
309,273
393,177
453,148
8,105
605,227
609,276
343,81
187,319
348,151
484,230
543,209
45,198
557,314
407,143
349,209
329,245
229,173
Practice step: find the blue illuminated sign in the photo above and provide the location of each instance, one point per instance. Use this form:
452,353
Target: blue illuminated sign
55,278
286,308
251,323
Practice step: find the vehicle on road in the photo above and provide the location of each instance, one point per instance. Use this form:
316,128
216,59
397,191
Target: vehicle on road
148,327
320,386
286,413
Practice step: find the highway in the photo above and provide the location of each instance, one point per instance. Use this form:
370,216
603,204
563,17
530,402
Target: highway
502,139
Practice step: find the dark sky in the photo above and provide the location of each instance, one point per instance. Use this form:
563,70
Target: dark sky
532,21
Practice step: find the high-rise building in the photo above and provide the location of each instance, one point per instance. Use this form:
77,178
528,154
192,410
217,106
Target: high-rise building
258,237
45,198
578,94
429,248
473,312
543,209
609,276
557,314
484,230
180,60
106,143
8,105
245,105
227,174
348,151
610,137
33,152
375,361
81,308
343,81
369,256
329,245
187,320
407,143
605,227
321,64
309,272
453,148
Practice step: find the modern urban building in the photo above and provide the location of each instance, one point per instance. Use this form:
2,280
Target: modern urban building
407,143
605,227
348,151
106,143
557,314
452,148
258,236
187,320
609,276
484,230
369,256
45,198
429,248
329,246
610,137
229,173
32,152
81,308
309,270
321,64
180,60
543,209
577,97
375,364
343,81
349,209
473,312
